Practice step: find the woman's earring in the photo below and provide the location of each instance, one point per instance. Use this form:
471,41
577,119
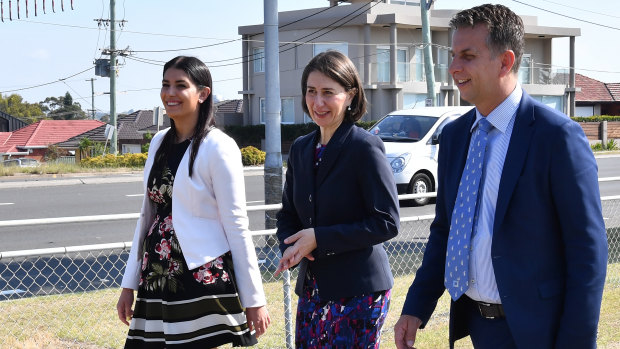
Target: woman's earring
349,108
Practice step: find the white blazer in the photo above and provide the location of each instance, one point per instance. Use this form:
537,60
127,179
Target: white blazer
208,214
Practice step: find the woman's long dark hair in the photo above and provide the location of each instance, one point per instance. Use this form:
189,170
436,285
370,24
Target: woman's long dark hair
200,75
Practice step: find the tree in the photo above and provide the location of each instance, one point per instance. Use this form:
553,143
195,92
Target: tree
63,108
14,105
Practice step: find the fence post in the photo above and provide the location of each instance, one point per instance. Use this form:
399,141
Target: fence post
604,134
288,313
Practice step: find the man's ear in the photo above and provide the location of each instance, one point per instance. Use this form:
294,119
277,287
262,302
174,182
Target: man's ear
508,61
204,93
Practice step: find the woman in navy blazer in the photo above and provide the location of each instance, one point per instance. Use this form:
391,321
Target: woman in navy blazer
339,205
192,229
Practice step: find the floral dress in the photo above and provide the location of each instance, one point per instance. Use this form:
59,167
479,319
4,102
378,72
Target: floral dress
177,307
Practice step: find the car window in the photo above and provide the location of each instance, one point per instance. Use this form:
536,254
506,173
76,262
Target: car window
403,128
11,162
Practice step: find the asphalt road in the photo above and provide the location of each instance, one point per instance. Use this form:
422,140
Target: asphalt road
112,195
121,194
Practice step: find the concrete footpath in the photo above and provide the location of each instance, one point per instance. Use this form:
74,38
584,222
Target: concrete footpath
46,180
28,180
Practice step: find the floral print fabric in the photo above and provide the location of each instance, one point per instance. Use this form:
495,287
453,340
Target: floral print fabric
353,322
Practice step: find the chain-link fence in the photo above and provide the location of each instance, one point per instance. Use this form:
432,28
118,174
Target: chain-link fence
67,296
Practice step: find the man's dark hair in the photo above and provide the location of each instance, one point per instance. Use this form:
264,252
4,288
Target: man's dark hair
505,28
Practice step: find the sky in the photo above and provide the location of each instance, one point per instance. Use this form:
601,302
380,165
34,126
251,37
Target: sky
57,49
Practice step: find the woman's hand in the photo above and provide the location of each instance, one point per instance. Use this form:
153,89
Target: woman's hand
123,307
304,242
258,319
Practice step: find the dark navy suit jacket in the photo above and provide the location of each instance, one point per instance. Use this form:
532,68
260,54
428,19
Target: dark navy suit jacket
549,247
352,204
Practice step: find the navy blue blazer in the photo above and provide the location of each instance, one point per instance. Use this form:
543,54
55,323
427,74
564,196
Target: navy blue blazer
549,248
352,204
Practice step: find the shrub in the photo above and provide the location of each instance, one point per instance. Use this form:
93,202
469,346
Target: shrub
251,156
596,146
596,118
109,160
612,145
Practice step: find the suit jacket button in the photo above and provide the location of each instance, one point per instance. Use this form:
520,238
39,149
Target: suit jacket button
310,219
310,198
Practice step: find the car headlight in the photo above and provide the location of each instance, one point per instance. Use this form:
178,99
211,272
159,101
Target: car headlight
400,162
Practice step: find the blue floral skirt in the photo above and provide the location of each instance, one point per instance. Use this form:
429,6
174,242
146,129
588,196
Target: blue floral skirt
353,322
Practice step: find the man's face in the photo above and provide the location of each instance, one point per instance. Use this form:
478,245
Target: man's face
475,69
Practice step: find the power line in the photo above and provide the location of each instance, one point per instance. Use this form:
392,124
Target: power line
48,83
563,15
581,9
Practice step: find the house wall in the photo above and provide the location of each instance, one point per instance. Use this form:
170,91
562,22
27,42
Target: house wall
384,97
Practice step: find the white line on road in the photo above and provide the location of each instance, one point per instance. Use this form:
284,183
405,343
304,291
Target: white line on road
6,203
78,219
10,292
132,195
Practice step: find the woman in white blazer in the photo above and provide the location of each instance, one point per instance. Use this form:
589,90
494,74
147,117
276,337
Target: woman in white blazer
187,240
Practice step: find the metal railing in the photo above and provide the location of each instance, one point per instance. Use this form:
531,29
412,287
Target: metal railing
51,290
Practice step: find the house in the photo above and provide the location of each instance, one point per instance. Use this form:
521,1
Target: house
133,127
229,112
9,123
384,41
596,97
33,140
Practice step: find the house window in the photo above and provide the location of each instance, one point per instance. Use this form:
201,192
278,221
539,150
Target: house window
414,100
554,102
259,60
525,69
287,114
383,64
131,149
341,47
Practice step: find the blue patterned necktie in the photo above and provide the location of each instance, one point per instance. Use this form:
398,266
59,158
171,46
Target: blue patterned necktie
456,277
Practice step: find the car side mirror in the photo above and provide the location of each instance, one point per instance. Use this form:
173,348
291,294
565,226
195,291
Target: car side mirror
435,138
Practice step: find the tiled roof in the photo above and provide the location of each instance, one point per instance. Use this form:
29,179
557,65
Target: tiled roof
591,90
132,126
4,136
614,89
95,135
46,132
230,106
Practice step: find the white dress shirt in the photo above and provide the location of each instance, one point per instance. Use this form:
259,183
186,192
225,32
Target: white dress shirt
482,285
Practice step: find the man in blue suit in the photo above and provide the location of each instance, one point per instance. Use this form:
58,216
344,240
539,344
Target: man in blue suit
536,249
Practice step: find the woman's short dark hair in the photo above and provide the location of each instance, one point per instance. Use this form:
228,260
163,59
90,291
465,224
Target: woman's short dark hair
339,68
200,75
506,30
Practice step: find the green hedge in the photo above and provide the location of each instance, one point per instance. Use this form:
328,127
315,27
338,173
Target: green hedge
596,118
253,134
109,160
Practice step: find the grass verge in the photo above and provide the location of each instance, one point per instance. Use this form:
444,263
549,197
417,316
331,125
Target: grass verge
88,320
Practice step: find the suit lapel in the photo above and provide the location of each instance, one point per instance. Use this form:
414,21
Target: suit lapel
515,157
332,151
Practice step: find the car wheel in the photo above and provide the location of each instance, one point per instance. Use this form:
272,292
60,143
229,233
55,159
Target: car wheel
420,183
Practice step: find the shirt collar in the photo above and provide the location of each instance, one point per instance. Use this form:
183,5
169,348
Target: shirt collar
500,116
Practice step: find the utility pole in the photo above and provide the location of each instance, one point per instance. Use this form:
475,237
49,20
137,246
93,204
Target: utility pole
92,96
431,98
273,159
113,67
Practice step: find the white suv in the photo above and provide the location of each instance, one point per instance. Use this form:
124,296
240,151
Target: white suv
411,139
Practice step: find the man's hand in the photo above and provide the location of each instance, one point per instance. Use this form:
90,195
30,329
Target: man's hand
405,331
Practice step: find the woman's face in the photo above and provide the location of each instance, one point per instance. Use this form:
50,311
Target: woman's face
181,97
327,100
